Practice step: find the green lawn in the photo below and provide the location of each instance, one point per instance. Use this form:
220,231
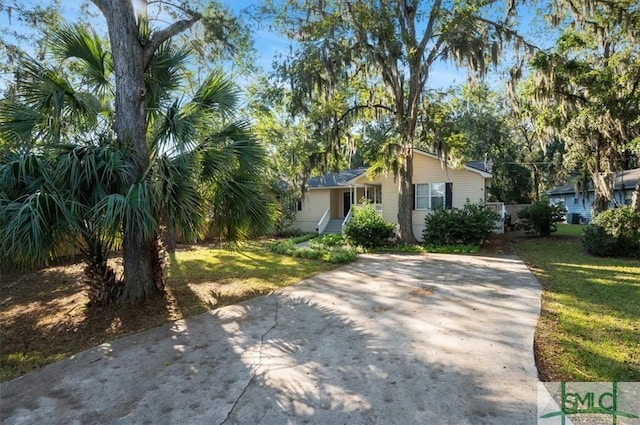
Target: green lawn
589,329
213,277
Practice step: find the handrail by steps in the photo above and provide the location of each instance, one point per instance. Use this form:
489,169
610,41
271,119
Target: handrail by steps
323,222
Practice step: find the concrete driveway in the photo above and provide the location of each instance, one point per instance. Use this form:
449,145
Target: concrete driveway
389,339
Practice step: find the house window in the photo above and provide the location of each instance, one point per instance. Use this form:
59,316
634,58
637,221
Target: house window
299,205
430,196
628,196
373,195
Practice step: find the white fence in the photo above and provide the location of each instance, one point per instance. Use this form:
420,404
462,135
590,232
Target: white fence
499,208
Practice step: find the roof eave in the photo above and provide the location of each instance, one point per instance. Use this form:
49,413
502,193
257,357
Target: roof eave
484,174
353,180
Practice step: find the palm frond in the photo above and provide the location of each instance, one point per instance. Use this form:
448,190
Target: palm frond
181,202
164,75
175,132
75,41
18,123
92,172
132,210
241,208
60,107
33,227
234,146
216,95
23,174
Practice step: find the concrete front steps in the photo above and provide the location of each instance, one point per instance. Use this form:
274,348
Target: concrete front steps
334,226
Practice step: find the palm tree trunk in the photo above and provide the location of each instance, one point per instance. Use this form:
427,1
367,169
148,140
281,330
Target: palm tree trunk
130,127
103,286
138,260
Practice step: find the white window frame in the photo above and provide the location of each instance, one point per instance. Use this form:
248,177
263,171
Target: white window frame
628,197
428,195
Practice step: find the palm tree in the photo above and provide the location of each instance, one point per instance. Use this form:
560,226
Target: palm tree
70,181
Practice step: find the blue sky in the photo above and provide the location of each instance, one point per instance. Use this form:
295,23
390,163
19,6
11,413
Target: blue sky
442,74
267,44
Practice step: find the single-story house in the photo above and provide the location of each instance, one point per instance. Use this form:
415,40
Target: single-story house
329,198
579,202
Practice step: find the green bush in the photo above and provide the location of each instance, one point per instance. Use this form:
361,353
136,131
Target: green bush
340,255
303,237
328,239
286,247
540,218
468,225
614,232
336,255
367,228
597,242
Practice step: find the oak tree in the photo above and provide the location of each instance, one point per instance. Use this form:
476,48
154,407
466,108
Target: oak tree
371,60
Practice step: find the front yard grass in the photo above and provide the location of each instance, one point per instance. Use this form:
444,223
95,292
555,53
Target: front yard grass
589,329
43,317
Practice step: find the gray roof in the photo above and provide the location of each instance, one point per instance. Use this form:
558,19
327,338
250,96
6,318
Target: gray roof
480,165
340,179
627,179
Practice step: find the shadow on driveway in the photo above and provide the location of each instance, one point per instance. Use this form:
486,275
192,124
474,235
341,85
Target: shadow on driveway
389,339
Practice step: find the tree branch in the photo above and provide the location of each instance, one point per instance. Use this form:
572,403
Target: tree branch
428,33
514,34
100,5
359,107
161,36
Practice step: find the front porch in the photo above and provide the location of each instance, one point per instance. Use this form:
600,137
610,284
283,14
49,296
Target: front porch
341,201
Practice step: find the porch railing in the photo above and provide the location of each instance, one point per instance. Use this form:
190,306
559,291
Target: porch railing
347,219
323,221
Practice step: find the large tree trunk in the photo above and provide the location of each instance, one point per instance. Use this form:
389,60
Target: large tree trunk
635,199
603,190
130,127
405,199
139,257
536,183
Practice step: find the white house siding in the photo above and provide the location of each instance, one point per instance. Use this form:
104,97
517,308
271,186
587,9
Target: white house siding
336,212
389,194
427,169
315,202
466,185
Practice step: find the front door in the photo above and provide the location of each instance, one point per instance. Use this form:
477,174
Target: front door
346,203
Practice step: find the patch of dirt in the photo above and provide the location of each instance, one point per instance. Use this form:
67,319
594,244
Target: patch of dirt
499,245
381,308
421,292
544,353
44,316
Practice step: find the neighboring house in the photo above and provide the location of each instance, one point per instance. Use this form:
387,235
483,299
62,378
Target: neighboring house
577,202
329,198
